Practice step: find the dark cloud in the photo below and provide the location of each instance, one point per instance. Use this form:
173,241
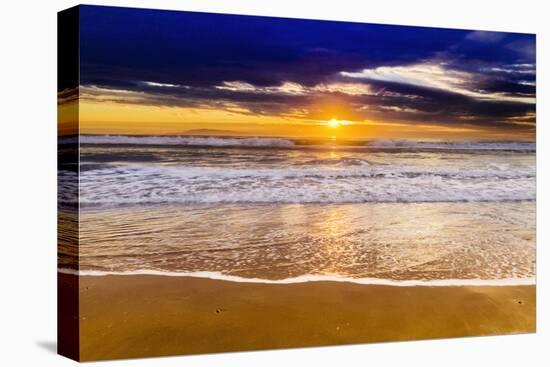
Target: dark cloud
481,77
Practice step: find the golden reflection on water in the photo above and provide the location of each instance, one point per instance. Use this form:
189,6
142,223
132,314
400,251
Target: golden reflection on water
397,241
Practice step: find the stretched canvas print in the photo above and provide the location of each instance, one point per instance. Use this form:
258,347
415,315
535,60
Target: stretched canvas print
231,183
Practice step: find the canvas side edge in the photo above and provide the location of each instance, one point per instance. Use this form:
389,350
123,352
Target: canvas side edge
68,315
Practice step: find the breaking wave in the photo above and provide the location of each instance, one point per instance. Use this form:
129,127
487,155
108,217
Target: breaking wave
188,141
136,184
261,142
455,145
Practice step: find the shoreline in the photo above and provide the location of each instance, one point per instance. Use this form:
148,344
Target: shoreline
312,278
127,316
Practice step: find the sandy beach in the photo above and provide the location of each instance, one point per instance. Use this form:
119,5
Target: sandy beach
141,315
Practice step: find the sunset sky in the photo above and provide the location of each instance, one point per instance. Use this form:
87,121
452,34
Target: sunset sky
163,72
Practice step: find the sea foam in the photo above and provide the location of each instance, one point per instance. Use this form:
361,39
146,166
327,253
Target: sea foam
313,278
269,142
187,141
143,184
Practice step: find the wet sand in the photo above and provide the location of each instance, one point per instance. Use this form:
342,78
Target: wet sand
143,316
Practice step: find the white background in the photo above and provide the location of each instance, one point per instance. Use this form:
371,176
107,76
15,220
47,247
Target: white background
28,182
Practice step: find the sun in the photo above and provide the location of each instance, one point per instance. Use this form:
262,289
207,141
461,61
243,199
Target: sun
334,123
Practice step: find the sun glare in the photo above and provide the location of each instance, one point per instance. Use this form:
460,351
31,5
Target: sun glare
336,123
333,123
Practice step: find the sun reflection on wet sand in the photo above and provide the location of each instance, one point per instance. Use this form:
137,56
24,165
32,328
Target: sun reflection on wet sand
385,240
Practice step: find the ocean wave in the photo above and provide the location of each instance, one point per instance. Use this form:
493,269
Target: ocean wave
363,170
268,142
312,278
455,145
134,184
337,162
188,141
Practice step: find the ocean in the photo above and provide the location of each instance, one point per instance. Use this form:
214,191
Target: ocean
280,210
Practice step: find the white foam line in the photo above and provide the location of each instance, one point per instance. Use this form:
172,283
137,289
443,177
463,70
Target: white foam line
224,141
313,278
189,141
